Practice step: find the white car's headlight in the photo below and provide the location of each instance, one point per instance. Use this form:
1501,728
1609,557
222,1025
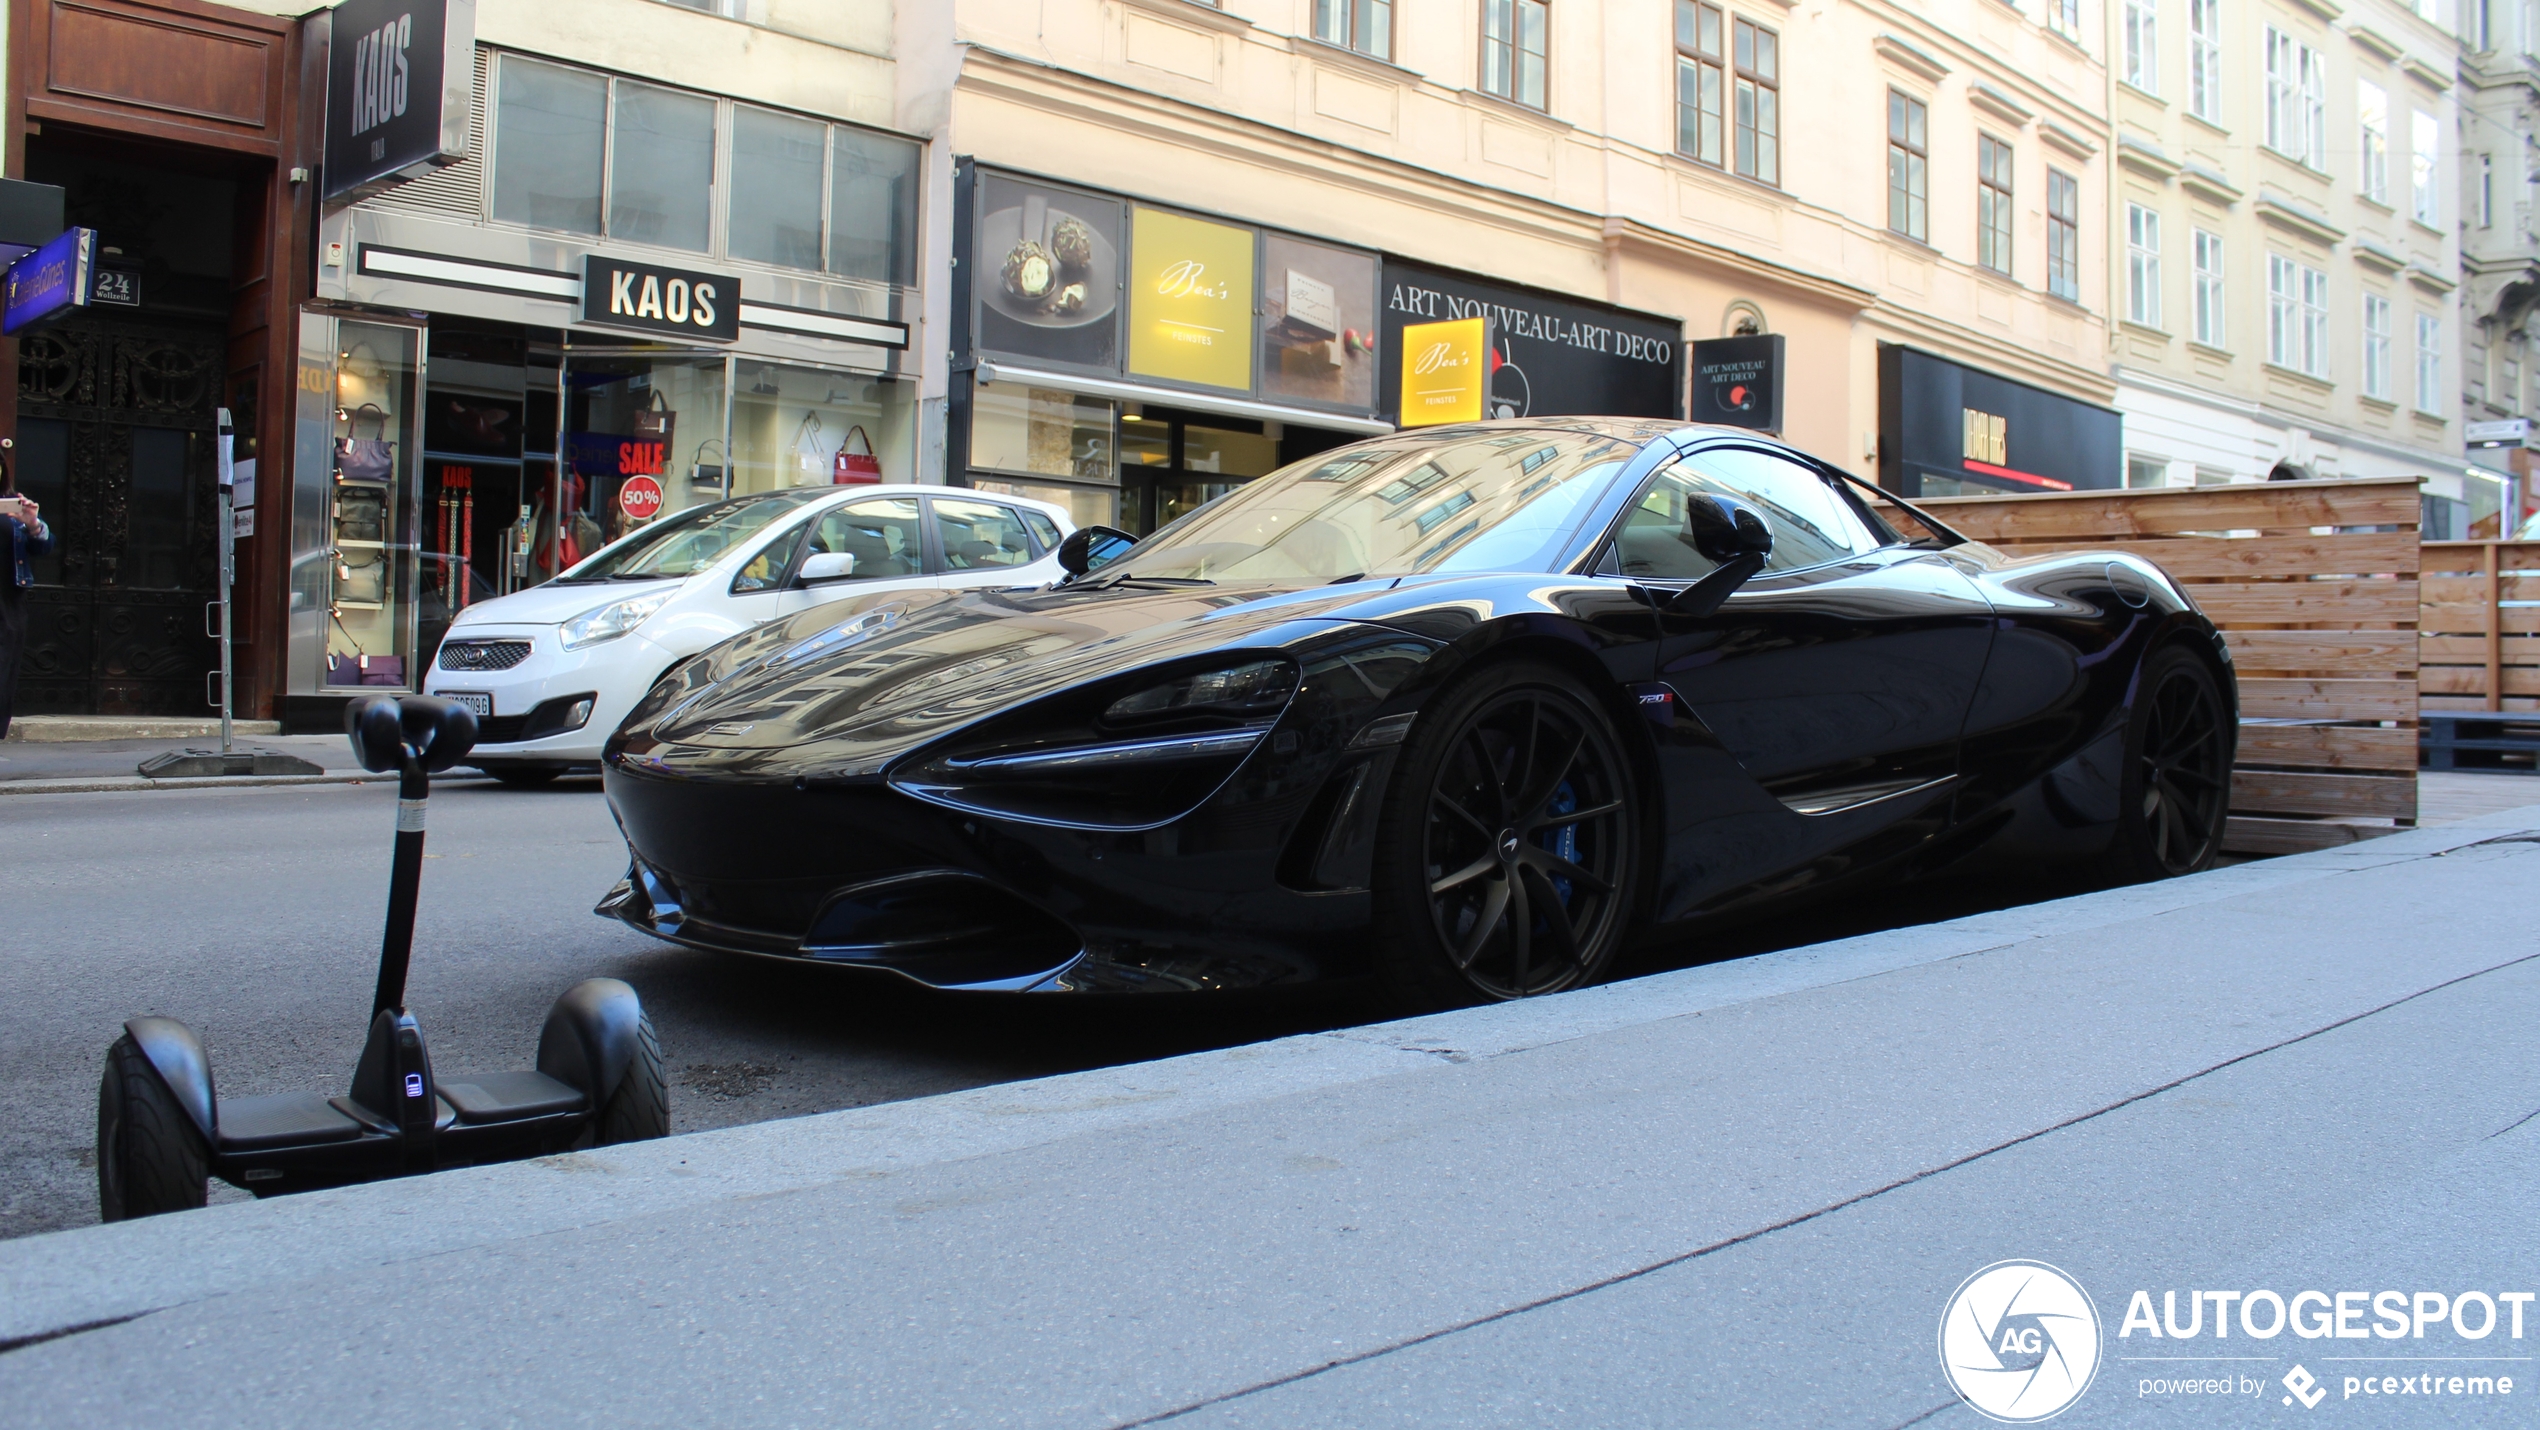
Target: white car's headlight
607,623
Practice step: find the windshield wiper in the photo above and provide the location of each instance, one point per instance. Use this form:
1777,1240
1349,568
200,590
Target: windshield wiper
1126,579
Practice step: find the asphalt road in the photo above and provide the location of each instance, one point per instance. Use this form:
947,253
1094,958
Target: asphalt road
254,916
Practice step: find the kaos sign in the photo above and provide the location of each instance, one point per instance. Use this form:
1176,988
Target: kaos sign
667,302
401,76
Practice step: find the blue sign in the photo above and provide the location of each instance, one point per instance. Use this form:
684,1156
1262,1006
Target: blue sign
49,282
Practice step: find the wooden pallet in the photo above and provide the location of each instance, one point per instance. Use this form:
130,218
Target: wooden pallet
2315,586
2488,741
2480,626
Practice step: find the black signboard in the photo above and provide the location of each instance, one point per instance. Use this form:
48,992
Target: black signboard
1551,356
1946,427
30,217
1737,382
401,76
666,302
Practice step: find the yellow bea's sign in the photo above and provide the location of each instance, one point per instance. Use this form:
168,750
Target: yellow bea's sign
1190,300
1445,371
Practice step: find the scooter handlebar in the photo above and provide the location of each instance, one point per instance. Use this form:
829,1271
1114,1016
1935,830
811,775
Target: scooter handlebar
387,731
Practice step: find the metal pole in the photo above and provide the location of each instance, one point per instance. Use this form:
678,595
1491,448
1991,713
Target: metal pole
228,567
405,878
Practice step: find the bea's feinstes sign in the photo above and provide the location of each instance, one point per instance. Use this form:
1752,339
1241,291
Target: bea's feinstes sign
667,302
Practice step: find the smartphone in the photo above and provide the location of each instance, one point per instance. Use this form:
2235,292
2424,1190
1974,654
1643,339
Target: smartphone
13,506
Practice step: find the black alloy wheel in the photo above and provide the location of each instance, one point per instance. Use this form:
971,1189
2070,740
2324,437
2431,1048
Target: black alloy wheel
1509,844
2178,768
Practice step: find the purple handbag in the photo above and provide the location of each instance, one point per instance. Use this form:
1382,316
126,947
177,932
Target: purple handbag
365,669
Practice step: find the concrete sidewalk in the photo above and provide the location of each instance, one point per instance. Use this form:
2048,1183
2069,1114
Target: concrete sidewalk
1736,1194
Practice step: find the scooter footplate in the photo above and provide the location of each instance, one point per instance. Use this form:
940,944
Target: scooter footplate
287,1119
509,1097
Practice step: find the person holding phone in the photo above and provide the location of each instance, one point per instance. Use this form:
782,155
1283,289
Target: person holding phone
23,537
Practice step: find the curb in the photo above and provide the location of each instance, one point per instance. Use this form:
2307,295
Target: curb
124,784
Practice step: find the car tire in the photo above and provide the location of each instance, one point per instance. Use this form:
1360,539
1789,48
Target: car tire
526,776
639,1110
2176,793
1497,877
150,1155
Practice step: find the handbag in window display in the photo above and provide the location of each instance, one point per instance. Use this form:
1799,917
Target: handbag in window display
365,459
856,461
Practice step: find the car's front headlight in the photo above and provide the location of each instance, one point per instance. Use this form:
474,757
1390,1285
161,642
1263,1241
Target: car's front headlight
607,623
1259,687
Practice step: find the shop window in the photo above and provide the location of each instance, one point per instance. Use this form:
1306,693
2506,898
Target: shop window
656,417
1233,454
1144,443
661,173
811,427
550,133
585,153
775,188
979,536
2146,472
1043,432
1085,506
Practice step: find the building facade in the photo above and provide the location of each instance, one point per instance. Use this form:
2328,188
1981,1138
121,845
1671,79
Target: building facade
2500,274
2285,241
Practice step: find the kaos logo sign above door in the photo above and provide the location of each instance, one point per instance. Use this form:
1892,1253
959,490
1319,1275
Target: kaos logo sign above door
666,302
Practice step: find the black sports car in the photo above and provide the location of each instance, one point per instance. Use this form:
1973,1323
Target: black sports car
1462,708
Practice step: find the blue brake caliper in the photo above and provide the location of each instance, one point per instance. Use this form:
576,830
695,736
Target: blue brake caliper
1564,840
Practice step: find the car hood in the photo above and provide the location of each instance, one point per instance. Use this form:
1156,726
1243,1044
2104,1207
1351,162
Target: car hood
552,604
838,695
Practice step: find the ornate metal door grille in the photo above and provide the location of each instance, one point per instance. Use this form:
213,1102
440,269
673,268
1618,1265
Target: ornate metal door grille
122,633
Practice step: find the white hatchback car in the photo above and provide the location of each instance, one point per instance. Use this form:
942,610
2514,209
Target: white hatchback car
551,671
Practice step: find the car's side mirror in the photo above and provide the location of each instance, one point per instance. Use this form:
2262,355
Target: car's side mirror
1726,531
826,566
1090,547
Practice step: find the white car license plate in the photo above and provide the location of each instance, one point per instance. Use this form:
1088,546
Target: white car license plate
476,701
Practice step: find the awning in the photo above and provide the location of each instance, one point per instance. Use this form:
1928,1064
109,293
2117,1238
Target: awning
989,374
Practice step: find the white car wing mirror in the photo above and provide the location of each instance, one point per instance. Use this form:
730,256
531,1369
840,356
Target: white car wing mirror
827,566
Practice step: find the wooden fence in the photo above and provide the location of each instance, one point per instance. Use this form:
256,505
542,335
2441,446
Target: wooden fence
2480,626
2314,585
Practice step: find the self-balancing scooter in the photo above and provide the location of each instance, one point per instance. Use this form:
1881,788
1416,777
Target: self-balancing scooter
161,1132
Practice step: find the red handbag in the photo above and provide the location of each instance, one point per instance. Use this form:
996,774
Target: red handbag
853,467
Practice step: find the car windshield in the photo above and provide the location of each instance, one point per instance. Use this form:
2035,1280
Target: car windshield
689,542
1487,500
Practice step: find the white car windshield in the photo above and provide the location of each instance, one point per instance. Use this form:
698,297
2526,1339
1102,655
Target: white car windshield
690,542
1494,501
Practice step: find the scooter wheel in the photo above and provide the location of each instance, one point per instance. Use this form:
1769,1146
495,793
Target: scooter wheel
640,1108
150,1157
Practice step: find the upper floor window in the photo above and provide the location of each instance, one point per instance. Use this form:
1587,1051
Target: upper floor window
2204,59
1908,166
1362,25
1993,203
2376,365
1515,43
2429,364
2372,110
1701,82
2063,235
2297,100
2142,266
587,153
1759,102
2205,258
2064,18
2142,46
2297,316
2424,150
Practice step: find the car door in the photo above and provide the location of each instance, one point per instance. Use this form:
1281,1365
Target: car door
1819,708
885,537
983,543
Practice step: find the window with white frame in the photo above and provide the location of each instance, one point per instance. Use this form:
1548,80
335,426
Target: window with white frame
2486,191
1515,50
2376,374
1701,82
2146,471
2372,111
2142,266
2063,235
1362,25
1908,166
2205,257
2141,45
2064,18
2429,364
2297,316
2297,103
2204,59
1993,203
579,152
2424,150
2314,107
